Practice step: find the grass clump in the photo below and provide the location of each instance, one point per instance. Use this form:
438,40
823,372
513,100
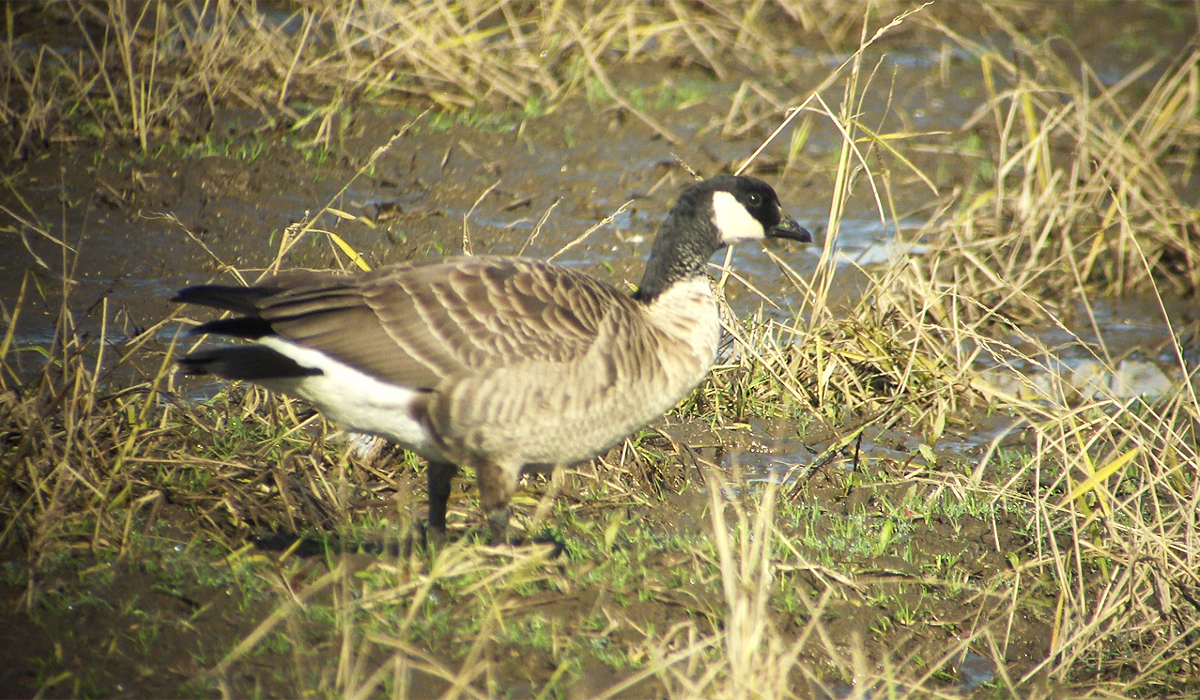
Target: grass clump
140,69
1081,194
1082,202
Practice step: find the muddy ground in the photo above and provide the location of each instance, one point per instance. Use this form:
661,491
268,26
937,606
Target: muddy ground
141,226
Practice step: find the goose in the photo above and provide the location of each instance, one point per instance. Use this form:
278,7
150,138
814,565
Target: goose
501,364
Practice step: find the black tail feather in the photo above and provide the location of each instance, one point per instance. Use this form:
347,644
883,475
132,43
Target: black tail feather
242,300
247,362
246,327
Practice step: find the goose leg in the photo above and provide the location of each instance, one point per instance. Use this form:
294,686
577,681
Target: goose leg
496,487
558,477
440,475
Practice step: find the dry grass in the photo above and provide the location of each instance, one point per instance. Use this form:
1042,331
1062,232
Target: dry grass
1081,200
1076,197
1078,200
143,69
1078,194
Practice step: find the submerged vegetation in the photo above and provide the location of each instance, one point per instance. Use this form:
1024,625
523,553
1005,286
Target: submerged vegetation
235,544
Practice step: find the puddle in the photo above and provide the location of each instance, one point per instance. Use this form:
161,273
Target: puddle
1125,351
866,242
972,671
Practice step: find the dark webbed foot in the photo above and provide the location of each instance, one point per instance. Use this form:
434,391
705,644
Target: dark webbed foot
497,522
434,538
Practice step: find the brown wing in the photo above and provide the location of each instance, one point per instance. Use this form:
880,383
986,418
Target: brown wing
416,324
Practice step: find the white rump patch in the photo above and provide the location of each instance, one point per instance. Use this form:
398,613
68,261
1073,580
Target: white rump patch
732,220
353,399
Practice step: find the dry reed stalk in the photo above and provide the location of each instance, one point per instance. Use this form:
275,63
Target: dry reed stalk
150,66
1081,188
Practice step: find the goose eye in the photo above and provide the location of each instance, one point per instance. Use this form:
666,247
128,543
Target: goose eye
754,199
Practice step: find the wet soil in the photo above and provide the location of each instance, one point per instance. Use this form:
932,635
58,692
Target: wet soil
134,228
582,161
123,629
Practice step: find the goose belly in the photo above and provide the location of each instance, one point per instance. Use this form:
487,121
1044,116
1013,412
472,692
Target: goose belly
559,420
544,413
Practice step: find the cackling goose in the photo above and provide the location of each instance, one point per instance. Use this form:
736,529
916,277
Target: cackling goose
499,363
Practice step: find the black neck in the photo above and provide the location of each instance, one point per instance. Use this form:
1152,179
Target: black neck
678,253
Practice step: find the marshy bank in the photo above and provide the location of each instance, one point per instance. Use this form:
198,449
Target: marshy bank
951,451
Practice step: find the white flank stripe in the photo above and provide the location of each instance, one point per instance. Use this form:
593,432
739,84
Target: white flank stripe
354,400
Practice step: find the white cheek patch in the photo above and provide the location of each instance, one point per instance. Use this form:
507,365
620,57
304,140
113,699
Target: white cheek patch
732,220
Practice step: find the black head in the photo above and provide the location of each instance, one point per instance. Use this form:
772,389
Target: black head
708,216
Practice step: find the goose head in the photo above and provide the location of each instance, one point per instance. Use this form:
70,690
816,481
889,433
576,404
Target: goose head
708,216
747,209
